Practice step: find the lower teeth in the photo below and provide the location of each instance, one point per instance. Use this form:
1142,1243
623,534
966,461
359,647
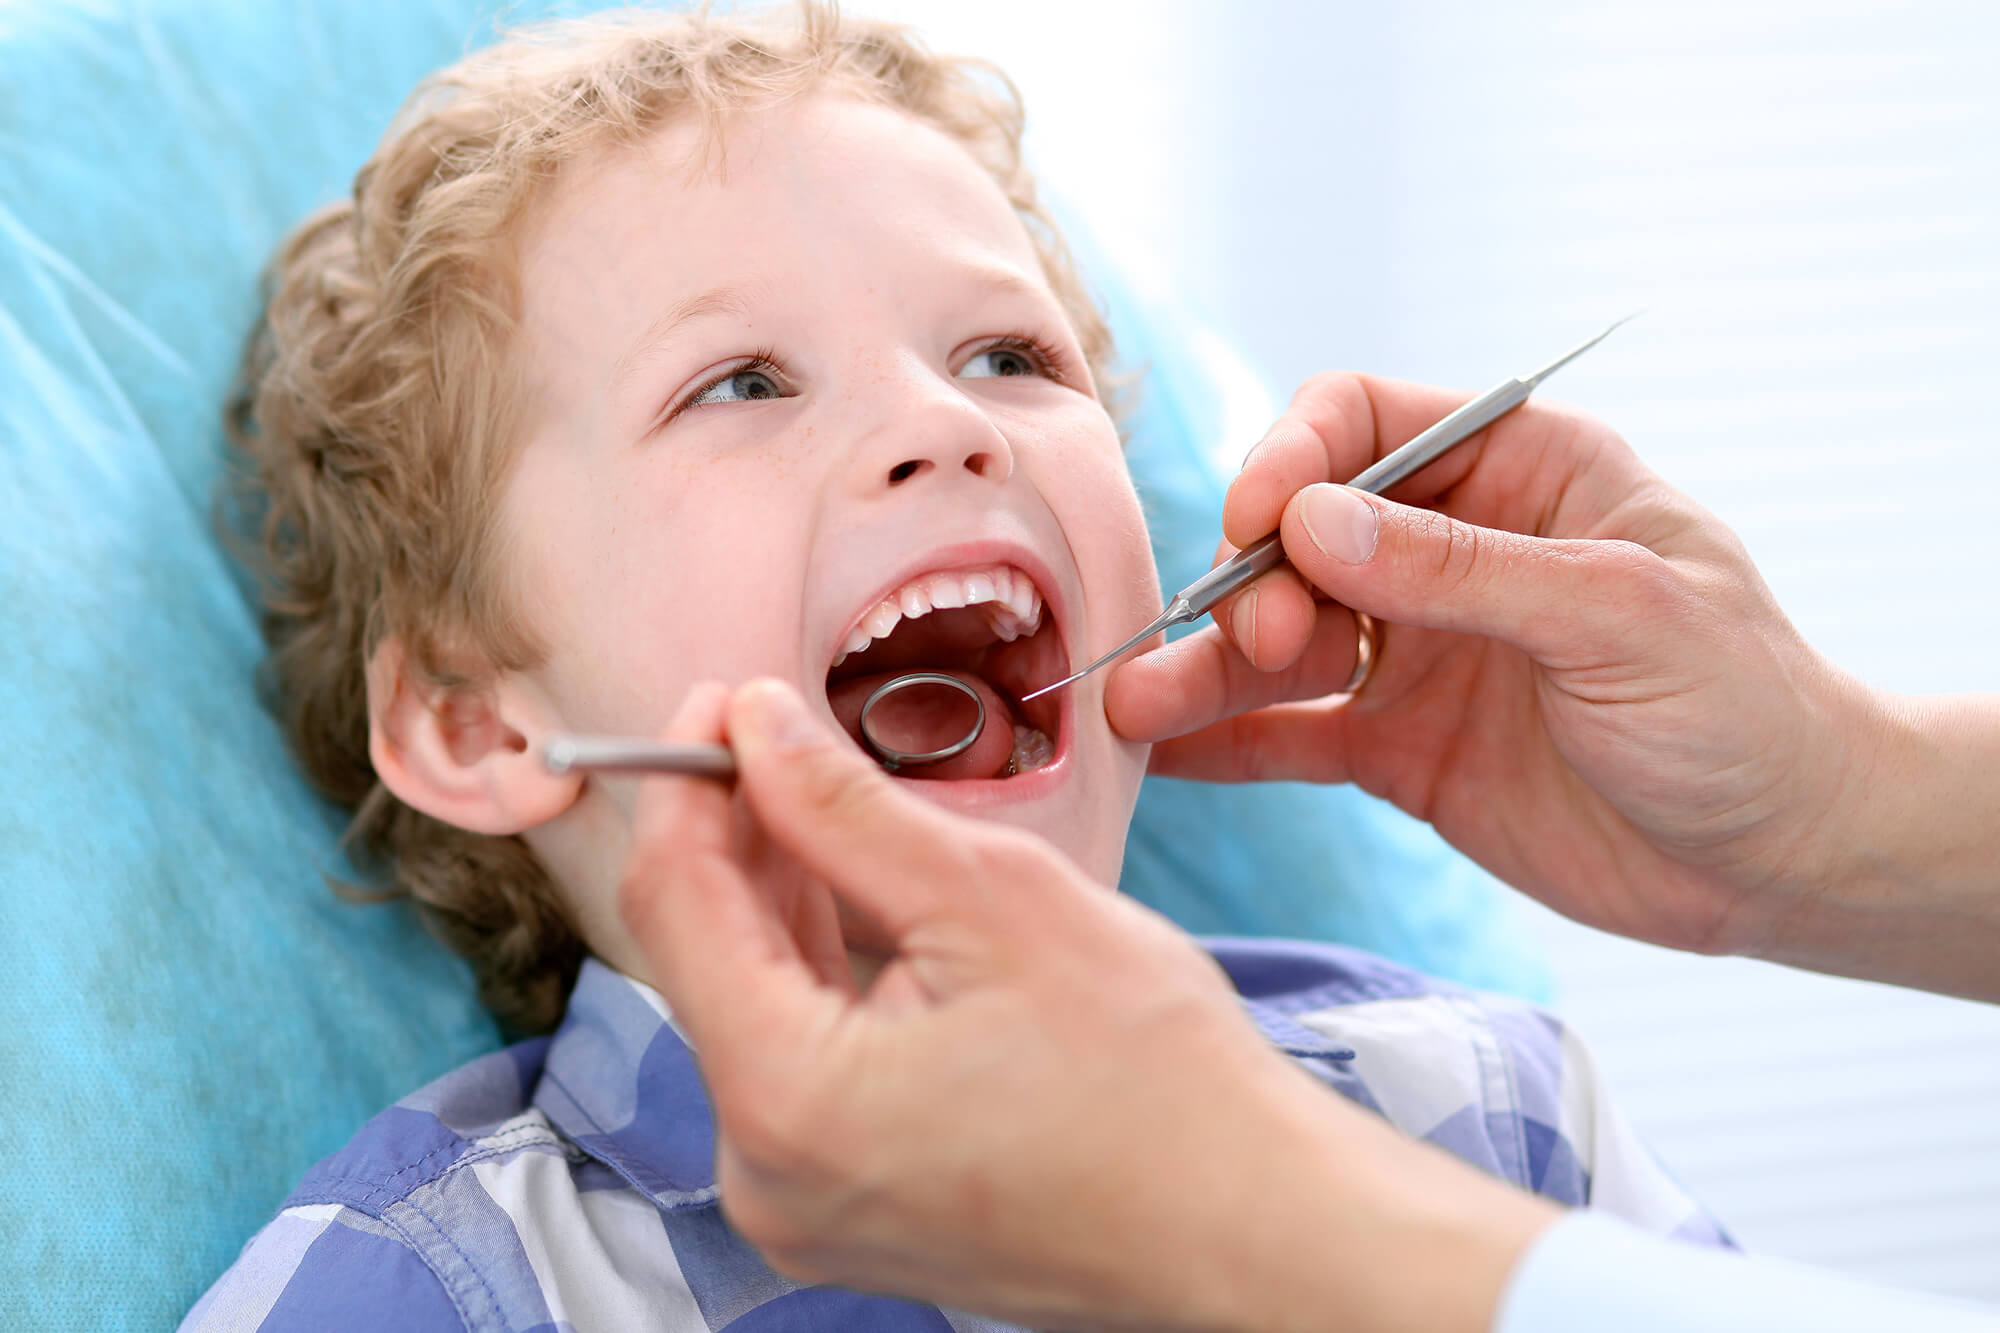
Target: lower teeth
1032,750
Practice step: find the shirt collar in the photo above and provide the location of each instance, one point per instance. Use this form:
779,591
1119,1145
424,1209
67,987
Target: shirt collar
621,1082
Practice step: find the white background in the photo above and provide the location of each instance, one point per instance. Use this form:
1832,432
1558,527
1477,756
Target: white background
1806,200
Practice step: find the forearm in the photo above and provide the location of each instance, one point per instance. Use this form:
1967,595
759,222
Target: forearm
1909,889
1331,1216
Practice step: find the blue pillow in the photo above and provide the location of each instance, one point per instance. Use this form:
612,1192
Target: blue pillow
1285,859
192,1017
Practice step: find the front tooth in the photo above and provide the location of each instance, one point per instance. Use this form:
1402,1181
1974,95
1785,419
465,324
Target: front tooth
881,620
916,602
856,642
947,591
979,588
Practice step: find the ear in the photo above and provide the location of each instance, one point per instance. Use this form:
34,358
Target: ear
461,753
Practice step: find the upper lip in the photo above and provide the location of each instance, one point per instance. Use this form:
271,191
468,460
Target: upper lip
966,556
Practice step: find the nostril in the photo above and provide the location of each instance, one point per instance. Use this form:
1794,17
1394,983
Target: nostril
903,471
979,464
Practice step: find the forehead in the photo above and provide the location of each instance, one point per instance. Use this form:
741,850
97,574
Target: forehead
793,200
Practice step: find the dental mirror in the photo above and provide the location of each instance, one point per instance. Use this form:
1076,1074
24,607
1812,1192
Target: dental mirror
931,704
927,704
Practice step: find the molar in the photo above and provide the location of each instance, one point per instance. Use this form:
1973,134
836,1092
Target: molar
1032,750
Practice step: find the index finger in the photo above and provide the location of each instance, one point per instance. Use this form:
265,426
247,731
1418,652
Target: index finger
1196,681
716,947
897,859
1336,426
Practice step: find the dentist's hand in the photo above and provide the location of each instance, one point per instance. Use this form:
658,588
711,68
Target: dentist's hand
1583,684
1048,1105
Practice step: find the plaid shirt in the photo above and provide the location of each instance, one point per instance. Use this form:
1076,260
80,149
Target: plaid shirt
568,1183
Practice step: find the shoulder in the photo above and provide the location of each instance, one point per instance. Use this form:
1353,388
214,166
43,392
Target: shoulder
323,1266
1494,1080
1431,1056
399,1229
477,1112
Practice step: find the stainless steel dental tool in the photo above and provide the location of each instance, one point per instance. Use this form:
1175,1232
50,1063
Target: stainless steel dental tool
630,754
892,758
1261,557
622,754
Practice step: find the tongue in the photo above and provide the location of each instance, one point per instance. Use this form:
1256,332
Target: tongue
920,719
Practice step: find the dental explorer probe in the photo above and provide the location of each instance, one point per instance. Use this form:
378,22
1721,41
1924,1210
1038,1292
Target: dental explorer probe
630,754
1262,556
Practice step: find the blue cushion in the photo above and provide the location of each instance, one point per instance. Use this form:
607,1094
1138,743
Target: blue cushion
192,1017
1287,859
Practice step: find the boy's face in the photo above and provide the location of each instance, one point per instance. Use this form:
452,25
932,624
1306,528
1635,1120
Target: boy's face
769,399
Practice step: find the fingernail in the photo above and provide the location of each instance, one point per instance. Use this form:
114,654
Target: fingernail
783,718
1339,522
1243,624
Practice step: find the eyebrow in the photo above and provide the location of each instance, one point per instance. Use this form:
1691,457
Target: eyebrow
1002,280
723,299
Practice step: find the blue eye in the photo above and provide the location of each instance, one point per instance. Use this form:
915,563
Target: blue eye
998,362
747,385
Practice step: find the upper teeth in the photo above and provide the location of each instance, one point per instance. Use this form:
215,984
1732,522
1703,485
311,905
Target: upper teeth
1013,605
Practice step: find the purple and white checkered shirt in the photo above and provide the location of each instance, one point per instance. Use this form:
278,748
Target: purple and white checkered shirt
568,1183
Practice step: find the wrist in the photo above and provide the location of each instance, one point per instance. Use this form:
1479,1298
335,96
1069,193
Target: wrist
1905,887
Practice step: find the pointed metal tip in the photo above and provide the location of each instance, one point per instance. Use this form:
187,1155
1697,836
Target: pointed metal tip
1049,689
1573,353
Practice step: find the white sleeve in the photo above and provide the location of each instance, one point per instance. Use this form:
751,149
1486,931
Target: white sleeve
1589,1272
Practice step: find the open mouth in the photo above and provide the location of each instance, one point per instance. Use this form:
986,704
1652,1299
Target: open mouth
989,627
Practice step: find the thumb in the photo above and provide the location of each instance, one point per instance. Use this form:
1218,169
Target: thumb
880,849
1546,596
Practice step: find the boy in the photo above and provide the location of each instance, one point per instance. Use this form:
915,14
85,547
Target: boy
671,349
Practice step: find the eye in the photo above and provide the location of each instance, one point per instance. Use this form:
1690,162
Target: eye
746,384
998,361
1007,358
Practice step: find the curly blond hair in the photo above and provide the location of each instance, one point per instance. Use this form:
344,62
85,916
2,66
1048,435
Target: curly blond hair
375,421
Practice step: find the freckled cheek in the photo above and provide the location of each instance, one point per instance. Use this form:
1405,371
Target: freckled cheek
631,589
719,599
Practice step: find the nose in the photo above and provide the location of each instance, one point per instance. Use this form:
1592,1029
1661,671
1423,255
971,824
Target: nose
927,431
